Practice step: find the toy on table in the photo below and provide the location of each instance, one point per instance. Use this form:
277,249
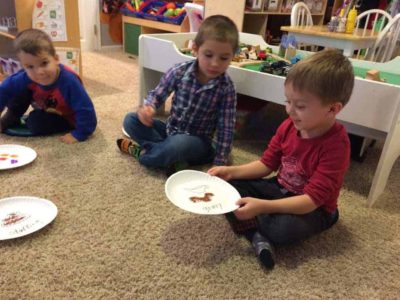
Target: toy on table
295,59
248,55
253,54
287,47
373,75
279,67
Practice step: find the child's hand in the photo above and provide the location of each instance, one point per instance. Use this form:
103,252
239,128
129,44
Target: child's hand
248,208
145,114
220,171
68,139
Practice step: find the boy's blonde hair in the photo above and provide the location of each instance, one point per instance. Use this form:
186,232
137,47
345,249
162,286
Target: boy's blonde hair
327,74
34,41
219,28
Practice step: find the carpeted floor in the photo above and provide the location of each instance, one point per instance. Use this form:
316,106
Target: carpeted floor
118,237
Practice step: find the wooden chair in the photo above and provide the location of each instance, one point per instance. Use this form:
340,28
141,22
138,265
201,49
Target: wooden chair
195,13
385,44
382,51
301,16
379,18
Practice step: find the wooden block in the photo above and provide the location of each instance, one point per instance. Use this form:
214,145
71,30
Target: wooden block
373,75
246,62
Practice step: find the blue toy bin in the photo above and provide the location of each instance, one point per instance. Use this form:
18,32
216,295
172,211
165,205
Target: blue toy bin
129,10
148,6
174,20
126,12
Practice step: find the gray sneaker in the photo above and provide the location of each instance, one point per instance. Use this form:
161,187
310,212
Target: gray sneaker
264,251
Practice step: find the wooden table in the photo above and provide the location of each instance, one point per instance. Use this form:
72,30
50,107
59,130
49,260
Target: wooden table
321,36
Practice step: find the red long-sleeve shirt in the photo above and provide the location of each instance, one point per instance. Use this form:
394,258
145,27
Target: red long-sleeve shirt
314,166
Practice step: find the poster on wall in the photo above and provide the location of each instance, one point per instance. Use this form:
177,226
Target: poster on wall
49,16
69,57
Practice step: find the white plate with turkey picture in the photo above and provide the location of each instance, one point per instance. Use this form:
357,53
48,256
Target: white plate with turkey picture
14,156
23,215
201,193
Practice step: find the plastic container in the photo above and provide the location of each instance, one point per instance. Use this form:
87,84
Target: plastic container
351,20
341,22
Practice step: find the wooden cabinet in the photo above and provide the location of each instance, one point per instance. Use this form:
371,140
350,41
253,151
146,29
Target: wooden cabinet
133,27
266,14
278,11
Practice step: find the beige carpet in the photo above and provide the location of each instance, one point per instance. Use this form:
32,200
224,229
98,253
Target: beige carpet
118,237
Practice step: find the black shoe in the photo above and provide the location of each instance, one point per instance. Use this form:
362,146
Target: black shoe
264,251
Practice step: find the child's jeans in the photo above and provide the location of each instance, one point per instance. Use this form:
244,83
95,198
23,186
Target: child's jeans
162,150
282,229
39,122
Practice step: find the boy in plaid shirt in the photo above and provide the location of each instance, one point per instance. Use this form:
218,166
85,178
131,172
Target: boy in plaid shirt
204,102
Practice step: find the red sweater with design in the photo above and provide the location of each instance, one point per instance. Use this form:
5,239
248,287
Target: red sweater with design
314,166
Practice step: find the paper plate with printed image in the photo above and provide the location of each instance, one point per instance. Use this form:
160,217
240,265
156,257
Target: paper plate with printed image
14,156
23,215
201,193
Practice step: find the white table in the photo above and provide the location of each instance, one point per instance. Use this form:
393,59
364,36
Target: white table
373,110
320,36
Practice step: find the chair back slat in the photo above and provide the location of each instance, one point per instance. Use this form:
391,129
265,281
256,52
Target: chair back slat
379,19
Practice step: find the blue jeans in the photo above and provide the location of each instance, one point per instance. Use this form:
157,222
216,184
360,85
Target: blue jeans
162,150
283,229
39,122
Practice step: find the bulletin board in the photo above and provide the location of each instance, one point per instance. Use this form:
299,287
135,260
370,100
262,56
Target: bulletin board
25,8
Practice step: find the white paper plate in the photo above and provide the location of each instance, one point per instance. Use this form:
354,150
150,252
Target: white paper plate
183,185
14,156
23,215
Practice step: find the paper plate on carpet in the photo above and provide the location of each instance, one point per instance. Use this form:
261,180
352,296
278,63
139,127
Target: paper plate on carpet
201,193
14,156
23,215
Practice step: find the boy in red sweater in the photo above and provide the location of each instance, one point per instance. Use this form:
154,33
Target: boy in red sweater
310,153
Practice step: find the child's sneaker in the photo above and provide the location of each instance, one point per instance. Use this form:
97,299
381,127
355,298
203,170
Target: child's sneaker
264,251
127,146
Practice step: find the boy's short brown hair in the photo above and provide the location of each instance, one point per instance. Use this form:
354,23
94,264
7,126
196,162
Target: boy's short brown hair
327,74
219,28
34,41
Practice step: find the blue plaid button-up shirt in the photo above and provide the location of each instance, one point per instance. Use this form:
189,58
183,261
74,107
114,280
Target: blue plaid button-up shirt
198,109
